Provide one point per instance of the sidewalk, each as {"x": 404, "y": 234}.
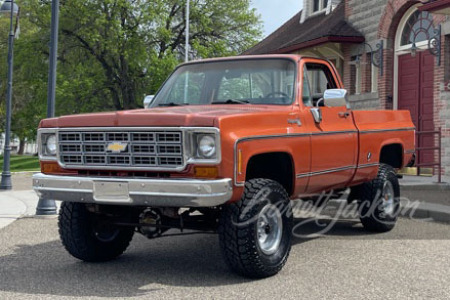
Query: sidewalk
{"x": 434, "y": 198}
{"x": 425, "y": 183}
{"x": 16, "y": 204}
{"x": 19, "y": 202}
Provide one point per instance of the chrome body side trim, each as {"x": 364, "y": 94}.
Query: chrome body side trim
{"x": 236, "y": 183}
{"x": 368, "y": 165}
{"x": 134, "y": 192}
{"x": 281, "y": 136}
{"x": 333, "y": 132}
{"x": 311, "y": 174}
{"x": 387, "y": 130}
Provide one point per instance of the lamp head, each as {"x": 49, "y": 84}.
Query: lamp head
{"x": 413, "y": 50}
{"x": 358, "y": 60}
{"x": 6, "y": 7}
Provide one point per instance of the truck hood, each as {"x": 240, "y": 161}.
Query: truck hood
{"x": 195, "y": 116}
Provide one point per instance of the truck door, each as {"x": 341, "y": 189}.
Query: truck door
{"x": 334, "y": 140}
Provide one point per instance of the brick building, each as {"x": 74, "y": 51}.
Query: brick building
{"x": 391, "y": 54}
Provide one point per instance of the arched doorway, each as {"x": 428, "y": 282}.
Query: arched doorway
{"x": 414, "y": 75}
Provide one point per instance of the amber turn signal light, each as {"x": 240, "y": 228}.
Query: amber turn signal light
{"x": 50, "y": 168}
{"x": 206, "y": 172}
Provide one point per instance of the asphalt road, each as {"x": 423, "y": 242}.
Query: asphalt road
{"x": 413, "y": 261}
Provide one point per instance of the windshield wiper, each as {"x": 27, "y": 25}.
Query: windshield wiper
{"x": 232, "y": 101}
{"x": 173, "y": 104}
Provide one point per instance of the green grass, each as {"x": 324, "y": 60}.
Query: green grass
{"x": 21, "y": 163}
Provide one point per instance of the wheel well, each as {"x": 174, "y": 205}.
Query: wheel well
{"x": 276, "y": 166}
{"x": 392, "y": 155}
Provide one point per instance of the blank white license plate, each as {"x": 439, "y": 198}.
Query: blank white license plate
{"x": 111, "y": 191}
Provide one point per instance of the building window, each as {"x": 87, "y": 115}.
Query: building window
{"x": 358, "y": 80}
{"x": 446, "y": 57}
{"x": 418, "y": 28}
{"x": 316, "y": 5}
{"x": 319, "y": 5}
{"x": 371, "y": 75}
{"x": 355, "y": 77}
{"x": 375, "y": 72}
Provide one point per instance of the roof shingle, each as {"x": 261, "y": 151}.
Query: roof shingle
{"x": 293, "y": 35}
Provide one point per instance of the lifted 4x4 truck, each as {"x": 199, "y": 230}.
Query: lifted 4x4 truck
{"x": 224, "y": 146}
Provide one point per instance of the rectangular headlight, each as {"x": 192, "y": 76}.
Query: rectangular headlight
{"x": 204, "y": 146}
{"x": 47, "y": 144}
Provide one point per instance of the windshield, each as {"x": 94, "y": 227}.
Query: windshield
{"x": 254, "y": 81}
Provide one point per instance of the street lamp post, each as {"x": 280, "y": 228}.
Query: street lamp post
{"x": 53, "y": 59}
{"x": 186, "y": 51}
{"x": 9, "y": 7}
{"x": 186, "y": 55}
{"x": 48, "y": 206}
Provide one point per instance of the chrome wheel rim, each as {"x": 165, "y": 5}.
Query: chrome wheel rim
{"x": 269, "y": 229}
{"x": 388, "y": 198}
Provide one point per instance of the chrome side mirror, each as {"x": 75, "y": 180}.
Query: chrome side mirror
{"x": 148, "y": 100}
{"x": 317, "y": 114}
{"x": 336, "y": 98}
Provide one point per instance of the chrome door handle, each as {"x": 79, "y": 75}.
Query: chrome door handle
{"x": 295, "y": 121}
{"x": 344, "y": 114}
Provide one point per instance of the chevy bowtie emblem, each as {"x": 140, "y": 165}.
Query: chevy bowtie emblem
{"x": 116, "y": 147}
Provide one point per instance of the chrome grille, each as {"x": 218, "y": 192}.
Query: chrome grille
{"x": 70, "y": 148}
{"x": 121, "y": 148}
{"x": 149, "y": 149}
{"x": 143, "y": 136}
{"x": 94, "y": 148}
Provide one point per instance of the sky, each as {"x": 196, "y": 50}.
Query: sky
{"x": 275, "y": 13}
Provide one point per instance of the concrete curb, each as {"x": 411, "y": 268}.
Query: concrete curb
{"x": 426, "y": 211}
{"x": 415, "y": 183}
{"x": 25, "y": 172}
{"x": 425, "y": 187}
{"x": 416, "y": 210}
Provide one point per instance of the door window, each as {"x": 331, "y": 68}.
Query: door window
{"x": 306, "y": 93}
{"x": 320, "y": 79}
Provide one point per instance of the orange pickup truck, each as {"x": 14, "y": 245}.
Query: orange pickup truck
{"x": 224, "y": 146}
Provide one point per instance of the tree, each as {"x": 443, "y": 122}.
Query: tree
{"x": 29, "y": 85}
{"x": 113, "y": 52}
{"x": 136, "y": 44}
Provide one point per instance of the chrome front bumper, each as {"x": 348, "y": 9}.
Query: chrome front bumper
{"x": 134, "y": 192}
